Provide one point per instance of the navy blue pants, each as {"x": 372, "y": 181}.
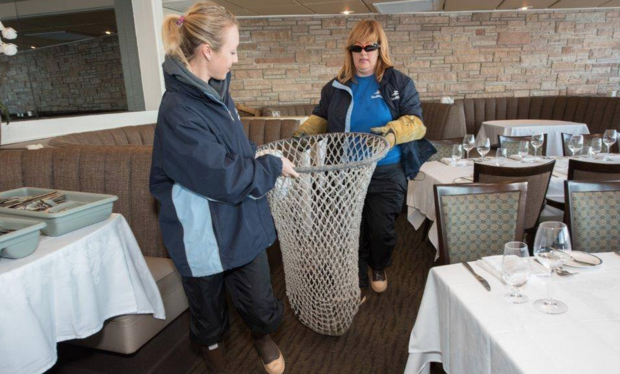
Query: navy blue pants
{"x": 249, "y": 287}
{"x": 384, "y": 202}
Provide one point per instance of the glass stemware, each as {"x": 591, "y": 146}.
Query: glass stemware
{"x": 537, "y": 141}
{"x": 575, "y": 144}
{"x": 552, "y": 248}
{"x": 524, "y": 150}
{"x": 469, "y": 143}
{"x": 484, "y": 146}
{"x": 596, "y": 146}
{"x": 609, "y": 138}
{"x": 516, "y": 270}
{"x": 500, "y": 156}
{"x": 457, "y": 154}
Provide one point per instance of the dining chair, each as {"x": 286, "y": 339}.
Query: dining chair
{"x": 593, "y": 215}
{"x": 511, "y": 143}
{"x": 444, "y": 148}
{"x": 537, "y": 178}
{"x": 587, "y": 140}
{"x": 476, "y": 220}
{"x": 592, "y": 171}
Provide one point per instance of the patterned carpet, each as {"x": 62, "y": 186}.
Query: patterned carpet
{"x": 378, "y": 339}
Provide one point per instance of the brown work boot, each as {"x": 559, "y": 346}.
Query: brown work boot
{"x": 269, "y": 353}
{"x": 378, "y": 280}
{"x": 216, "y": 361}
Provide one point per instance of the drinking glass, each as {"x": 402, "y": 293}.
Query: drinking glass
{"x": 484, "y": 146}
{"x": 552, "y": 248}
{"x": 457, "y": 153}
{"x": 575, "y": 144}
{"x": 537, "y": 141}
{"x": 275, "y": 113}
{"x": 469, "y": 143}
{"x": 500, "y": 156}
{"x": 524, "y": 149}
{"x": 516, "y": 270}
{"x": 609, "y": 138}
{"x": 596, "y": 145}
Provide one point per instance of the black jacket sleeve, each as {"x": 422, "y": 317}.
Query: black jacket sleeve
{"x": 193, "y": 158}
{"x": 322, "y": 108}
{"x": 410, "y": 99}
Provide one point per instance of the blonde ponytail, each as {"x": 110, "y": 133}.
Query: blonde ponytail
{"x": 204, "y": 23}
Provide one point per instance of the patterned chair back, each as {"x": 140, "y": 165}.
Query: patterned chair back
{"x": 444, "y": 148}
{"x": 476, "y": 220}
{"x": 592, "y": 171}
{"x": 593, "y": 215}
{"x": 511, "y": 143}
{"x": 537, "y": 178}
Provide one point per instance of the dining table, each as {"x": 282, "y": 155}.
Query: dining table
{"x": 67, "y": 289}
{"x": 420, "y": 197}
{"x": 527, "y": 127}
{"x": 471, "y": 330}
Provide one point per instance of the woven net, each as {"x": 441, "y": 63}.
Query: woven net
{"x": 318, "y": 217}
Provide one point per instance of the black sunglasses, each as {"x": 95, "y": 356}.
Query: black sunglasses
{"x": 367, "y": 48}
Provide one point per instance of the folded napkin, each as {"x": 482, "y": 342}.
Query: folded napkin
{"x": 448, "y": 161}
{"x": 493, "y": 266}
{"x": 525, "y": 159}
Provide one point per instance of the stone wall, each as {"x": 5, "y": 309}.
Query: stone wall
{"x": 79, "y": 77}
{"x": 288, "y": 60}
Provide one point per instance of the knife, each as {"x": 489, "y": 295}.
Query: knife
{"x": 482, "y": 281}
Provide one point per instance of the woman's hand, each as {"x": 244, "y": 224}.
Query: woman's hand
{"x": 287, "y": 168}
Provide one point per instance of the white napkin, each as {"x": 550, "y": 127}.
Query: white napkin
{"x": 525, "y": 159}
{"x": 448, "y": 161}
{"x": 493, "y": 266}
{"x": 34, "y": 147}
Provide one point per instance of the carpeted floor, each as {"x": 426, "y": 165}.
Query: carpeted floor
{"x": 376, "y": 342}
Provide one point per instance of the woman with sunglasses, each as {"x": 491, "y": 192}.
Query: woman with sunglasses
{"x": 369, "y": 95}
{"x": 214, "y": 217}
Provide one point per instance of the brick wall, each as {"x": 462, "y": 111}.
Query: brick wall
{"x": 288, "y": 60}
{"x": 78, "y": 77}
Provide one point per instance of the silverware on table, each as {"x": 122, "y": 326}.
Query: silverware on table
{"x": 482, "y": 281}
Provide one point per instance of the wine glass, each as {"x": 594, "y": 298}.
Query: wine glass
{"x": 500, "y": 156}
{"x": 596, "y": 145}
{"x": 524, "y": 149}
{"x": 575, "y": 144}
{"x": 552, "y": 248}
{"x": 484, "y": 146}
{"x": 457, "y": 154}
{"x": 469, "y": 143}
{"x": 516, "y": 270}
{"x": 537, "y": 141}
{"x": 609, "y": 138}
{"x": 275, "y": 113}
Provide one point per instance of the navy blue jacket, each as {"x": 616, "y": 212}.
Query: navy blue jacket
{"x": 214, "y": 214}
{"x": 401, "y": 96}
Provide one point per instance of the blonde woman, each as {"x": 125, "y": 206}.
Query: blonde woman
{"x": 214, "y": 216}
{"x": 369, "y": 95}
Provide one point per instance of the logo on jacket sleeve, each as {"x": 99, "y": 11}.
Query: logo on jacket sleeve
{"x": 395, "y": 95}
{"x": 376, "y": 95}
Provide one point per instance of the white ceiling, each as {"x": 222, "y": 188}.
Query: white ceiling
{"x": 301, "y": 7}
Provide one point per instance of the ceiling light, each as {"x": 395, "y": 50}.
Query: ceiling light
{"x": 528, "y": 7}
{"x": 32, "y": 47}
{"x": 346, "y": 12}
{"x": 108, "y": 32}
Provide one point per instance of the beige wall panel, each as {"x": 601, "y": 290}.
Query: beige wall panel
{"x": 612, "y": 3}
{"x": 535, "y": 4}
{"x": 578, "y": 3}
{"x": 337, "y": 8}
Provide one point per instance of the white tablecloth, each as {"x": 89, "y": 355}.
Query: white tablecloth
{"x": 471, "y": 330}
{"x": 67, "y": 288}
{"x": 525, "y": 127}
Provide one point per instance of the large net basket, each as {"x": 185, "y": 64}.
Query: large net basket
{"x": 318, "y": 218}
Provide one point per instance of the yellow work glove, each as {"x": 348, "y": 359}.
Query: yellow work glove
{"x": 403, "y": 130}
{"x": 312, "y": 126}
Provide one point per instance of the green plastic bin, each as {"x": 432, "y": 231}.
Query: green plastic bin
{"x": 21, "y": 242}
{"x": 84, "y": 209}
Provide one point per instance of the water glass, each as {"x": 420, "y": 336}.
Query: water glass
{"x": 469, "y": 143}
{"x": 524, "y": 149}
{"x": 552, "y": 248}
{"x": 484, "y": 146}
{"x": 516, "y": 270}
{"x": 537, "y": 141}
{"x": 596, "y": 145}
{"x": 609, "y": 138}
{"x": 575, "y": 144}
{"x": 457, "y": 154}
{"x": 500, "y": 156}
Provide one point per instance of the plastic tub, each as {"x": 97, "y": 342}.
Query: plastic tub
{"x": 83, "y": 209}
{"x": 21, "y": 242}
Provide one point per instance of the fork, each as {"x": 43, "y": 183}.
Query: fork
{"x": 564, "y": 273}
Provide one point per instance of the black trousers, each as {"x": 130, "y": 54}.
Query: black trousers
{"x": 249, "y": 287}
{"x": 384, "y": 202}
